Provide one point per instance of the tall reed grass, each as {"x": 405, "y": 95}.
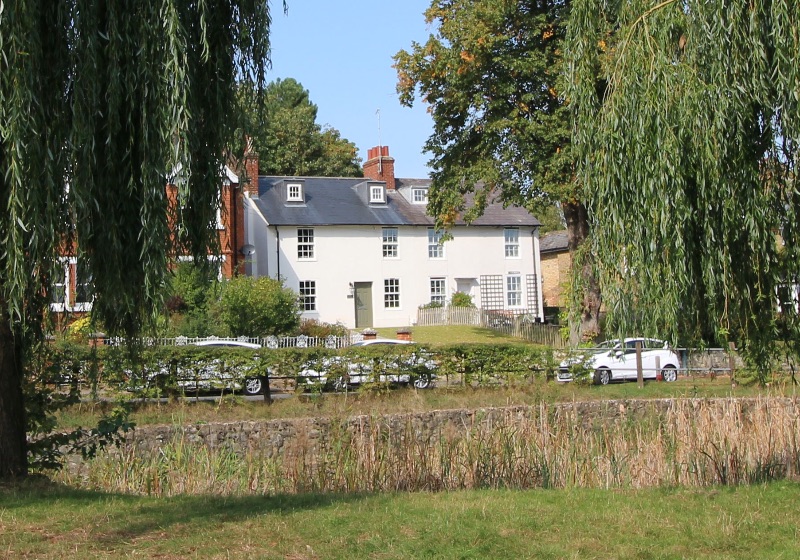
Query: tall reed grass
{"x": 690, "y": 443}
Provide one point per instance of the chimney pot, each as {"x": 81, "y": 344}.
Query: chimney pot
{"x": 380, "y": 166}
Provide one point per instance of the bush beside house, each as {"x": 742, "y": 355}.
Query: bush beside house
{"x": 258, "y": 306}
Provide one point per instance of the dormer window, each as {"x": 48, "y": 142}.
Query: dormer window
{"x": 419, "y": 196}
{"x": 294, "y": 192}
{"x": 377, "y": 194}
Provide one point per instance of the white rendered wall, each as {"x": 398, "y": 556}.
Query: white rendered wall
{"x": 345, "y": 255}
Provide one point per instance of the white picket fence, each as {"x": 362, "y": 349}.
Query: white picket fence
{"x": 301, "y": 341}
{"x": 448, "y": 316}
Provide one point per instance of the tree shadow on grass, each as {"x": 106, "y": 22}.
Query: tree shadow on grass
{"x": 128, "y": 517}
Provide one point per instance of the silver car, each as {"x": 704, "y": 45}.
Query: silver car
{"x": 253, "y": 385}
{"x": 208, "y": 376}
{"x": 339, "y": 372}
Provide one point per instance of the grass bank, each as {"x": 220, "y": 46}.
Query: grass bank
{"x": 372, "y": 402}
{"x": 46, "y": 521}
{"x": 690, "y": 443}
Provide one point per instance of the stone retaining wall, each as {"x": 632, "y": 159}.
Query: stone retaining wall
{"x": 273, "y": 438}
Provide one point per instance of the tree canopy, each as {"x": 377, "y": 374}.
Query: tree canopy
{"x": 286, "y": 135}
{"x": 492, "y": 76}
{"x": 102, "y": 103}
{"x": 687, "y": 128}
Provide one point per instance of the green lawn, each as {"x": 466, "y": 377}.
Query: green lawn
{"x": 453, "y": 334}
{"x": 43, "y": 521}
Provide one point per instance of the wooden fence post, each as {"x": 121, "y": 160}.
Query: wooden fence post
{"x": 732, "y": 362}
{"x": 639, "y": 374}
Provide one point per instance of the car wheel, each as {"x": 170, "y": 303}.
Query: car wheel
{"x": 602, "y": 376}
{"x": 253, "y": 386}
{"x": 669, "y": 373}
{"x": 423, "y": 382}
{"x": 340, "y": 384}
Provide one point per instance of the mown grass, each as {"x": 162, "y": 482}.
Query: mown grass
{"x": 452, "y": 334}
{"x": 46, "y": 521}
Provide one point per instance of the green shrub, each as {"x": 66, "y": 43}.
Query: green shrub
{"x": 191, "y": 301}
{"x": 477, "y": 364}
{"x": 495, "y": 364}
{"x": 460, "y": 299}
{"x": 314, "y": 328}
{"x": 258, "y": 307}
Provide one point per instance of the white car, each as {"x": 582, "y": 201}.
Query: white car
{"x": 614, "y": 360}
{"x": 356, "y": 373}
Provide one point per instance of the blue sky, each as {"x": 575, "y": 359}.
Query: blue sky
{"x": 341, "y": 52}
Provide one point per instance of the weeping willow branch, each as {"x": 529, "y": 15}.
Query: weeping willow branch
{"x": 632, "y": 28}
{"x": 690, "y": 165}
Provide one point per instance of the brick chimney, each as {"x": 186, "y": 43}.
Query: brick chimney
{"x": 250, "y": 180}
{"x": 379, "y": 166}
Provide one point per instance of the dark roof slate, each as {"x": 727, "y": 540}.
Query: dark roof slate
{"x": 337, "y": 201}
{"x": 553, "y": 242}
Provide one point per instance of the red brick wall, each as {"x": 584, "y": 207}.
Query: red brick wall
{"x": 231, "y": 235}
{"x": 380, "y": 166}
{"x": 250, "y": 179}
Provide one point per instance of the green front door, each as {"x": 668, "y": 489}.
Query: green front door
{"x": 363, "y": 304}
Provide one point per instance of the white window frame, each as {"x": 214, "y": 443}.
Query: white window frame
{"x": 419, "y": 195}
{"x": 438, "y": 289}
{"x": 294, "y": 192}
{"x": 62, "y": 305}
{"x": 307, "y": 290}
{"x": 391, "y": 293}
{"x": 377, "y": 194}
{"x": 220, "y": 223}
{"x": 514, "y": 290}
{"x": 305, "y": 244}
{"x": 511, "y": 238}
{"x": 389, "y": 238}
{"x": 81, "y": 305}
{"x": 435, "y": 245}
{"x": 790, "y": 291}
{"x": 69, "y": 265}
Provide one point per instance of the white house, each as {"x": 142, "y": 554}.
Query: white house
{"x": 363, "y": 251}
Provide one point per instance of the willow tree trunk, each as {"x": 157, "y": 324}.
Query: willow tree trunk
{"x": 13, "y": 442}
{"x": 588, "y": 297}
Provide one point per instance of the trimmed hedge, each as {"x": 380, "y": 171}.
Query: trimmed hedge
{"x": 174, "y": 369}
